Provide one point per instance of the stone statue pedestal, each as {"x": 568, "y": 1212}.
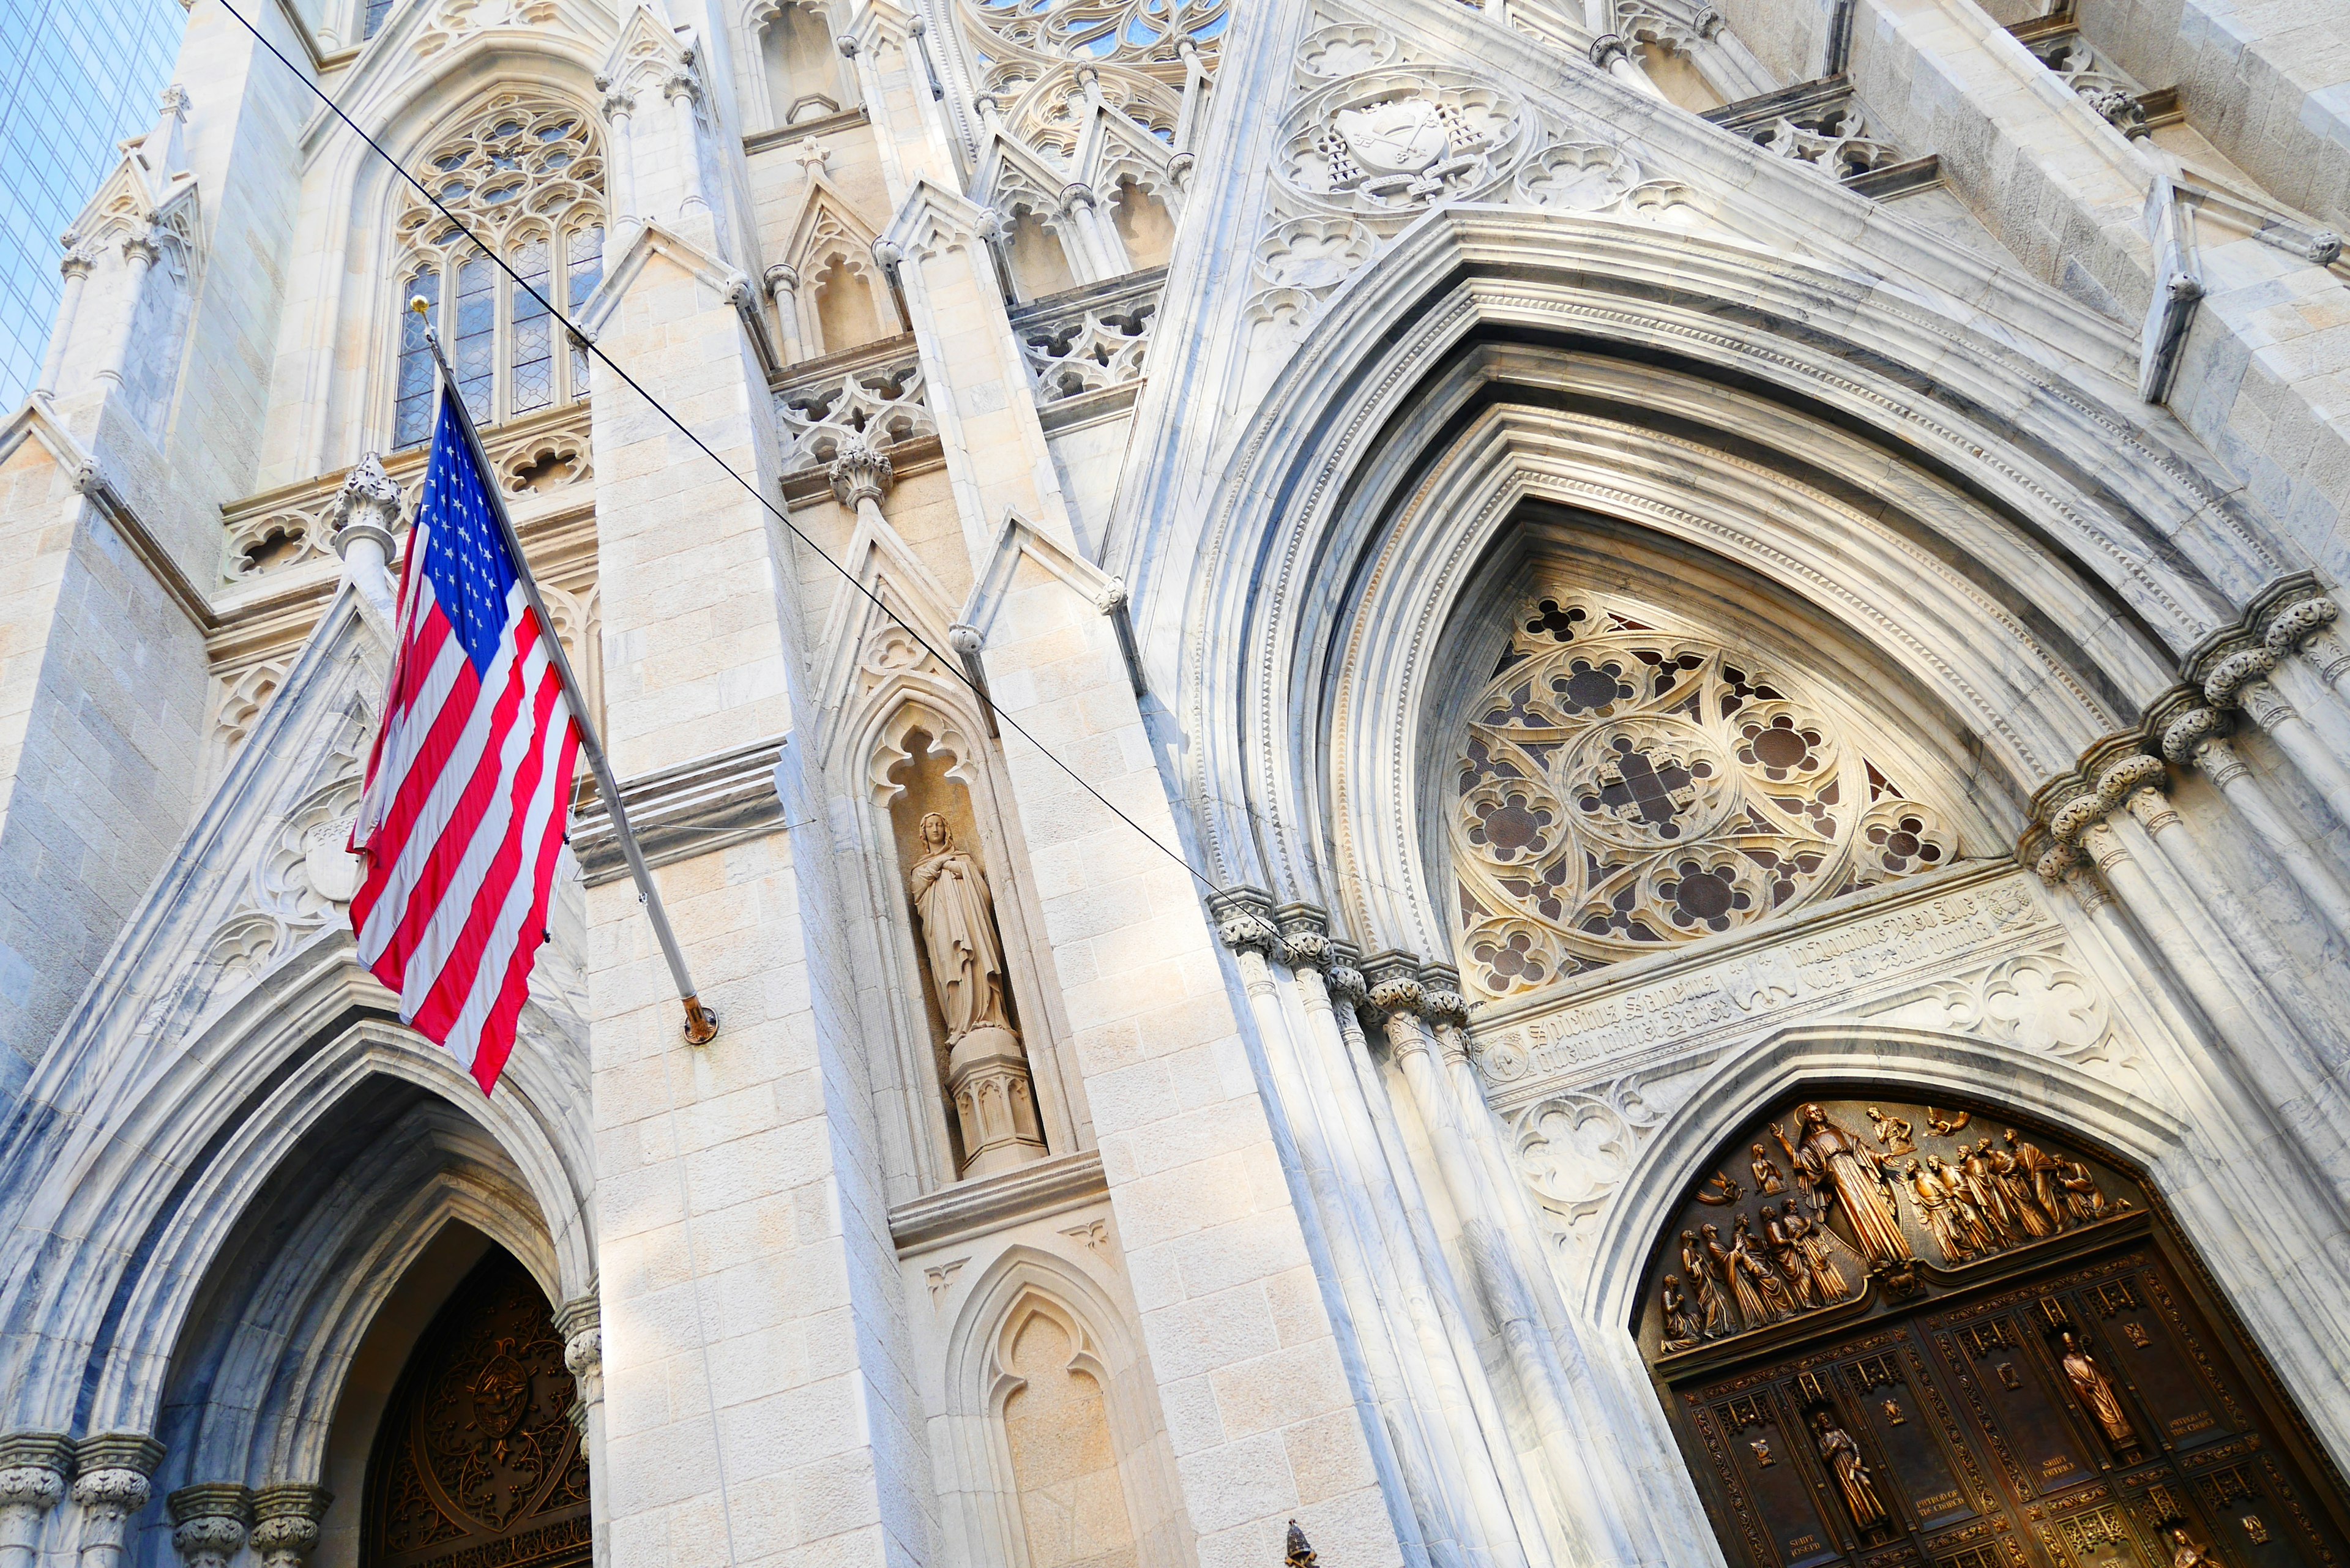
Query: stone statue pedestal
{"x": 987, "y": 1074}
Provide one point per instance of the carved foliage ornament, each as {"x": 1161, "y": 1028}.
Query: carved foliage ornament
{"x": 1626, "y": 787}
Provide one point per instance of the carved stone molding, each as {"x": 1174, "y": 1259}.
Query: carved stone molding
{"x": 677, "y": 812}
{"x": 860, "y": 472}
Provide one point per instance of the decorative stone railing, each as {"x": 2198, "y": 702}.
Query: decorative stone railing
{"x": 540, "y": 455}
{"x": 871, "y": 395}
{"x": 1088, "y": 343}
{"x": 1820, "y": 124}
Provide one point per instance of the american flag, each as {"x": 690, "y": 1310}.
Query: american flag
{"x": 461, "y": 821}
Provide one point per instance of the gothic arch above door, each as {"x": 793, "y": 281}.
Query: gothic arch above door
{"x": 477, "y": 1464}
{"x": 1894, "y": 1333}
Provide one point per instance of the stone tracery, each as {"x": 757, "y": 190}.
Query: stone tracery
{"x": 1625, "y": 787}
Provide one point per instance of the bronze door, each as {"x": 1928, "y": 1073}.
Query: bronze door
{"x": 477, "y": 1464}
{"x": 2062, "y": 1399}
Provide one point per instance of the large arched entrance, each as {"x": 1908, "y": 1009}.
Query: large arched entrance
{"x": 478, "y": 1461}
{"x": 1894, "y": 1333}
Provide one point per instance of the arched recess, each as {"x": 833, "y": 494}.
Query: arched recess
{"x": 1990, "y": 517}
{"x": 2016, "y": 1341}
{"x": 796, "y": 70}
{"x": 914, "y": 724}
{"x": 243, "y": 1210}
{"x": 991, "y": 1486}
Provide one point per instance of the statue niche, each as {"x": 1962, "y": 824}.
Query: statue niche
{"x": 967, "y": 989}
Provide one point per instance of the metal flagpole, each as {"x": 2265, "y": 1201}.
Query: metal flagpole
{"x": 700, "y": 1022}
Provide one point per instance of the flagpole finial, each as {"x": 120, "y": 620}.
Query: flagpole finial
{"x": 420, "y": 304}
{"x": 700, "y": 1022}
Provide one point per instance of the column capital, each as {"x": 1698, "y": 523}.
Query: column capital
{"x": 367, "y": 507}
{"x": 2126, "y": 778}
{"x": 862, "y": 472}
{"x": 2152, "y": 808}
{"x": 2226, "y": 679}
{"x": 1244, "y": 920}
{"x": 2075, "y": 816}
{"x": 781, "y": 279}
{"x": 1607, "y": 48}
{"x": 33, "y": 1471}
{"x": 208, "y": 1523}
{"x": 680, "y": 84}
{"x": 141, "y": 247}
{"x": 80, "y": 257}
{"x": 285, "y": 1523}
{"x": 2185, "y": 735}
{"x": 2088, "y": 888}
{"x": 2291, "y": 622}
{"x": 1304, "y": 936}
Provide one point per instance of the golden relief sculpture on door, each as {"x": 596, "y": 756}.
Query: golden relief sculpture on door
{"x": 1627, "y": 786}
{"x": 477, "y": 1464}
{"x": 1939, "y": 1336}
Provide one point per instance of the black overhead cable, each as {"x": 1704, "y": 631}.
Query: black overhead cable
{"x": 782, "y": 515}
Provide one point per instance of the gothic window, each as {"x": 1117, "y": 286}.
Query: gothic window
{"x": 1889, "y": 1330}
{"x": 1626, "y": 786}
{"x": 377, "y": 11}
{"x": 477, "y": 1461}
{"x": 526, "y": 177}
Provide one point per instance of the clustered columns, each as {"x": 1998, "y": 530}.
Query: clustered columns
{"x": 106, "y": 1481}
{"x": 684, "y": 95}
{"x": 2121, "y": 847}
{"x": 140, "y": 254}
{"x": 1414, "y": 1324}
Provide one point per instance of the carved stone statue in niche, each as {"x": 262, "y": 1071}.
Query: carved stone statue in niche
{"x": 987, "y": 1069}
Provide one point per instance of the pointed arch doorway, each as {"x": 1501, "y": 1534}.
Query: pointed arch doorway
{"x": 477, "y": 1463}
{"x": 1891, "y": 1333}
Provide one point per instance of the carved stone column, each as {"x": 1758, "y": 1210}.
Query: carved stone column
{"x": 782, "y": 287}
{"x": 684, "y": 94}
{"x": 140, "y": 254}
{"x": 33, "y": 1469}
{"x": 1098, "y": 254}
{"x": 80, "y": 257}
{"x": 580, "y": 1322}
{"x": 2132, "y": 782}
{"x": 2193, "y": 740}
{"x": 285, "y": 1523}
{"x": 2243, "y": 680}
{"x": 1467, "y": 1444}
{"x": 110, "y": 1488}
{"x": 619, "y": 113}
{"x": 209, "y": 1524}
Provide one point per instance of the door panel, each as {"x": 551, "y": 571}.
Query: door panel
{"x": 2036, "y": 1386}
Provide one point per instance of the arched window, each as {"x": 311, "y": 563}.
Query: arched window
{"x": 525, "y": 176}
{"x": 377, "y": 10}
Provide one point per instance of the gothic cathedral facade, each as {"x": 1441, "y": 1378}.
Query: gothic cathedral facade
{"x": 1467, "y": 784}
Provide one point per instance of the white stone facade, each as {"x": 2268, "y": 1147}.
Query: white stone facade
{"x": 1905, "y": 437}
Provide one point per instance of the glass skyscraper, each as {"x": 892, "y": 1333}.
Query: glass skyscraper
{"x": 76, "y": 77}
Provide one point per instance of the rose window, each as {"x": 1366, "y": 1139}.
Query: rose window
{"x": 1624, "y": 789}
